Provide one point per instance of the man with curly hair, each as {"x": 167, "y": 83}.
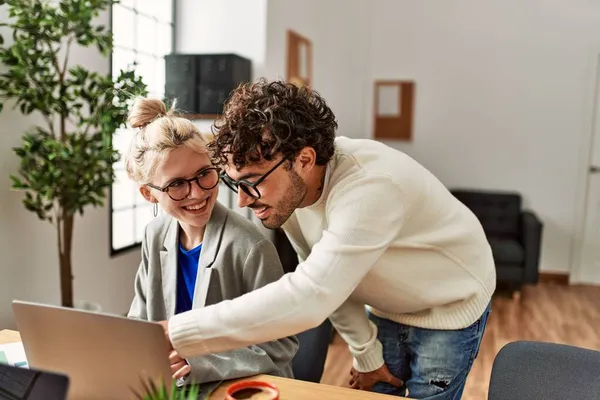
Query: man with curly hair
{"x": 400, "y": 267}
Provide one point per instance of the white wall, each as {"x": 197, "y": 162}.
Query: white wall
{"x": 503, "y": 97}
{"x": 28, "y": 250}
{"x": 223, "y": 26}
{"x": 339, "y": 32}
{"x": 257, "y": 29}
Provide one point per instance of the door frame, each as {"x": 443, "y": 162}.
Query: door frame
{"x": 591, "y": 115}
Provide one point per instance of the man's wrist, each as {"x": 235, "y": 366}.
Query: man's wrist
{"x": 370, "y": 360}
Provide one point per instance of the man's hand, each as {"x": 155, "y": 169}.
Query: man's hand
{"x": 179, "y": 367}
{"x": 366, "y": 380}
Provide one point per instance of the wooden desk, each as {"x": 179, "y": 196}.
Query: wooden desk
{"x": 289, "y": 389}
{"x": 7, "y": 336}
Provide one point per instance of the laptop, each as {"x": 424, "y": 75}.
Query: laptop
{"x": 104, "y": 356}
{"x": 20, "y": 383}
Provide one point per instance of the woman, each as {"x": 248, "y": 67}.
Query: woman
{"x": 198, "y": 253}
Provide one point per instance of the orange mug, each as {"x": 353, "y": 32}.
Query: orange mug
{"x": 252, "y": 390}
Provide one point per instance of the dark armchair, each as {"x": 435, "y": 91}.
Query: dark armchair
{"x": 514, "y": 234}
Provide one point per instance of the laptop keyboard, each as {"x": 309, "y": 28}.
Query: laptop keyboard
{"x": 15, "y": 383}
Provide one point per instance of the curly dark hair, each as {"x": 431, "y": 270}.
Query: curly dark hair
{"x": 263, "y": 119}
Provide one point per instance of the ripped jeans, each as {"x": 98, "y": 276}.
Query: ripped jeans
{"x": 433, "y": 364}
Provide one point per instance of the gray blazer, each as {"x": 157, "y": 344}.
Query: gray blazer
{"x": 235, "y": 259}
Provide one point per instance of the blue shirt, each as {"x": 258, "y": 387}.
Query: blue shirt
{"x": 186, "y": 277}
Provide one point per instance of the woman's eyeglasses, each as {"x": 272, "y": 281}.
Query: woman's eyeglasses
{"x": 250, "y": 188}
{"x": 180, "y": 189}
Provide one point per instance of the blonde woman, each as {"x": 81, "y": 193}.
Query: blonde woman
{"x": 198, "y": 253}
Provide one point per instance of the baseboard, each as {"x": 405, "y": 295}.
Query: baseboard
{"x": 554, "y": 277}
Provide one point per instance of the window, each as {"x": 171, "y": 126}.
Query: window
{"x": 143, "y": 32}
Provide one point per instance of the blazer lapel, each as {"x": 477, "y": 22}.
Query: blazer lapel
{"x": 168, "y": 262}
{"x": 210, "y": 248}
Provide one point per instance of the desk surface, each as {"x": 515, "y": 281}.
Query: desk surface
{"x": 289, "y": 389}
{"x": 7, "y": 336}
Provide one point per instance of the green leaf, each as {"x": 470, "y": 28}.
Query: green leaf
{"x": 154, "y": 392}
{"x": 17, "y": 183}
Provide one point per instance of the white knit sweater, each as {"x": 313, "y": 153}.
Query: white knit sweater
{"x": 385, "y": 234}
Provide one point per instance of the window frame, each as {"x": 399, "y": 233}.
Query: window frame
{"x": 136, "y": 245}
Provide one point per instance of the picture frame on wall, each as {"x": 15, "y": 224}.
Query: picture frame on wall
{"x": 299, "y": 59}
{"x": 393, "y": 109}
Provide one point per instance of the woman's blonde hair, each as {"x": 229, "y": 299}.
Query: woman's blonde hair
{"x": 159, "y": 132}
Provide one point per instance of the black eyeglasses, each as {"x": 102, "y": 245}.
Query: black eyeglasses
{"x": 250, "y": 188}
{"x": 180, "y": 189}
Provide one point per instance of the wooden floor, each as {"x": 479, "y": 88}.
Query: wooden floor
{"x": 547, "y": 312}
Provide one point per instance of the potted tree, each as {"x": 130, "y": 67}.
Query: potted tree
{"x": 66, "y": 164}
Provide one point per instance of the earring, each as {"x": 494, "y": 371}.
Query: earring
{"x": 155, "y": 209}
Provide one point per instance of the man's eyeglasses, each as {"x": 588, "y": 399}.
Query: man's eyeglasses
{"x": 250, "y": 188}
{"x": 180, "y": 189}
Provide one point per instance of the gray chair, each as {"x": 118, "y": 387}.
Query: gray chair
{"x": 545, "y": 371}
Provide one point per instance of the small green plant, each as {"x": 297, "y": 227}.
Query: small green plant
{"x": 65, "y": 165}
{"x": 154, "y": 392}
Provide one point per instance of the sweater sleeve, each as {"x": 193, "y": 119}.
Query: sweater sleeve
{"x": 271, "y": 358}
{"x": 357, "y": 235}
{"x": 352, "y": 323}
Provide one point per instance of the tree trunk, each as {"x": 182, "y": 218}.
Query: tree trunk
{"x": 65, "y": 225}
{"x": 65, "y": 242}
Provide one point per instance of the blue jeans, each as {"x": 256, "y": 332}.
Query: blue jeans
{"x": 433, "y": 364}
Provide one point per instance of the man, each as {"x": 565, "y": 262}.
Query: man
{"x": 372, "y": 228}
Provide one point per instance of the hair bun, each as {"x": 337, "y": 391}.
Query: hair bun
{"x": 144, "y": 111}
